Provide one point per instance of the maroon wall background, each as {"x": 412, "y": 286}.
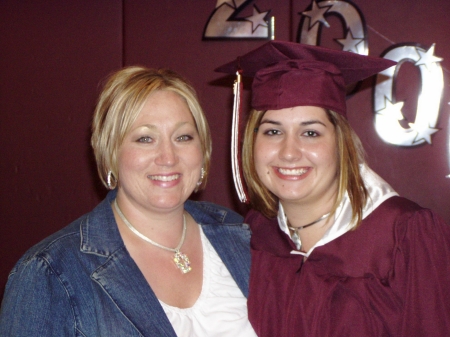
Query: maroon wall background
{"x": 54, "y": 54}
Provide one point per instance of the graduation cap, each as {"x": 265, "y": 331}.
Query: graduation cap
{"x": 288, "y": 74}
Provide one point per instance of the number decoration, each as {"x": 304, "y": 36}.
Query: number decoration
{"x": 228, "y": 22}
{"x": 225, "y": 22}
{"x": 314, "y": 19}
{"x": 388, "y": 112}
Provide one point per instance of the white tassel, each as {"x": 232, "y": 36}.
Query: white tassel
{"x": 238, "y": 183}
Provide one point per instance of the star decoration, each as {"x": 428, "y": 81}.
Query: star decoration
{"x": 423, "y": 132}
{"x": 350, "y": 43}
{"x": 257, "y": 19}
{"x": 393, "y": 111}
{"x": 427, "y": 58}
{"x": 317, "y": 14}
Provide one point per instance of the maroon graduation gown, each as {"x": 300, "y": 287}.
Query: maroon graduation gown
{"x": 389, "y": 277}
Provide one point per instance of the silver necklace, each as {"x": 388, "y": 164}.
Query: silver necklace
{"x": 181, "y": 260}
{"x": 296, "y": 229}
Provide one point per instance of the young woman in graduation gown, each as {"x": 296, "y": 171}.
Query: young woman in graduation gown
{"x": 335, "y": 250}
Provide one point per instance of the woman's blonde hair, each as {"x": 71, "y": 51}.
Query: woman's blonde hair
{"x": 351, "y": 155}
{"x": 121, "y": 101}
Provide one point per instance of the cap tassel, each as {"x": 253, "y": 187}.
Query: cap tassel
{"x": 235, "y": 140}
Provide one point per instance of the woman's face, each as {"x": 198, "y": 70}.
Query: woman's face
{"x": 296, "y": 155}
{"x": 160, "y": 158}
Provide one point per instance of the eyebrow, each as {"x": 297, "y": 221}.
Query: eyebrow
{"x": 305, "y": 123}
{"x": 154, "y": 127}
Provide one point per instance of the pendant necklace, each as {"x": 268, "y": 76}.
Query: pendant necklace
{"x": 181, "y": 260}
{"x": 296, "y": 229}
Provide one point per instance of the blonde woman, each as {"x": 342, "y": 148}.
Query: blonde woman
{"x": 146, "y": 261}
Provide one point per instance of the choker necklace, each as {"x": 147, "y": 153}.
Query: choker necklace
{"x": 296, "y": 229}
{"x": 181, "y": 260}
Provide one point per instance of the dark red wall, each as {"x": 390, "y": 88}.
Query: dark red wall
{"x": 53, "y": 55}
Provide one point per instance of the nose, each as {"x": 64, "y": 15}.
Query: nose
{"x": 166, "y": 153}
{"x": 290, "y": 149}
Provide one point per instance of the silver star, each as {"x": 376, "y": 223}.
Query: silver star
{"x": 257, "y": 19}
{"x": 427, "y": 58}
{"x": 423, "y": 132}
{"x": 350, "y": 43}
{"x": 393, "y": 111}
{"x": 316, "y": 14}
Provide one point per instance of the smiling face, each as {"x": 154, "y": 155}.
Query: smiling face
{"x": 295, "y": 155}
{"x": 160, "y": 159}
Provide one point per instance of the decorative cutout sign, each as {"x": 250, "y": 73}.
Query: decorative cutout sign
{"x": 388, "y": 114}
{"x": 355, "y": 28}
{"x": 225, "y": 22}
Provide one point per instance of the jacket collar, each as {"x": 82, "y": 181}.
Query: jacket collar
{"x": 131, "y": 295}
{"x": 99, "y": 233}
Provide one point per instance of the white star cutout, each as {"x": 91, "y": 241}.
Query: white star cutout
{"x": 316, "y": 14}
{"x": 427, "y": 58}
{"x": 393, "y": 111}
{"x": 423, "y": 132}
{"x": 350, "y": 43}
{"x": 257, "y": 19}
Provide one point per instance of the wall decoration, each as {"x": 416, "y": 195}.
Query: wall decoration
{"x": 226, "y": 22}
{"x": 387, "y": 109}
{"x": 314, "y": 19}
{"x": 388, "y": 114}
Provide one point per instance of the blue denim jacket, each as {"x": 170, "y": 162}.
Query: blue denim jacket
{"x": 81, "y": 281}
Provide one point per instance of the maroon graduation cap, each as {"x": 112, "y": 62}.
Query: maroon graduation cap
{"x": 288, "y": 74}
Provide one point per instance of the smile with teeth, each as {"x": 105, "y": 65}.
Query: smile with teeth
{"x": 164, "y": 178}
{"x": 292, "y": 172}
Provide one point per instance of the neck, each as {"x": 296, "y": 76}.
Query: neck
{"x": 302, "y": 216}
{"x": 165, "y": 228}
{"x": 309, "y": 209}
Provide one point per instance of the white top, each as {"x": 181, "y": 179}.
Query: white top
{"x": 379, "y": 191}
{"x": 220, "y": 310}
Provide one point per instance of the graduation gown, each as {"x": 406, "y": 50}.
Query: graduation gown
{"x": 388, "y": 277}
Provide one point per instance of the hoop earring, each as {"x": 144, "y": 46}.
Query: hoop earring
{"x": 110, "y": 180}
{"x": 200, "y": 181}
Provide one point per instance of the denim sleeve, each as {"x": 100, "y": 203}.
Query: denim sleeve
{"x": 36, "y": 303}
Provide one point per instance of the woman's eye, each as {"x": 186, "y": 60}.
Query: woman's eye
{"x": 311, "y": 133}
{"x": 184, "y": 138}
{"x": 271, "y": 132}
{"x": 144, "y": 139}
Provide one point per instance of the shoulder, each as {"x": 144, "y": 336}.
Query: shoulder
{"x": 40, "y": 280}
{"x": 69, "y": 239}
{"x": 257, "y": 220}
{"x": 400, "y": 210}
{"x": 408, "y": 222}
{"x": 398, "y": 206}
{"x": 63, "y": 242}
{"x": 205, "y": 212}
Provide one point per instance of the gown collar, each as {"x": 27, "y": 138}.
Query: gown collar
{"x": 379, "y": 191}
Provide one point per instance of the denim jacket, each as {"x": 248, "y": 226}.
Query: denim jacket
{"x": 81, "y": 281}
